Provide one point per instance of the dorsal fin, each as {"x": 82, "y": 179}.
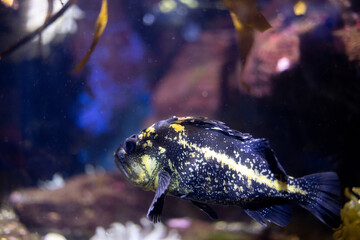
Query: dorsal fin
{"x": 210, "y": 124}
{"x": 259, "y": 146}
{"x": 262, "y": 147}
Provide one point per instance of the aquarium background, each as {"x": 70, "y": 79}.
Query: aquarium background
{"x": 299, "y": 88}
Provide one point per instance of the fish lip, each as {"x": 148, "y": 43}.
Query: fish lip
{"x": 120, "y": 163}
{"x": 121, "y": 167}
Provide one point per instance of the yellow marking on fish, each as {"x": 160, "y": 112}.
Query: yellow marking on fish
{"x": 143, "y": 135}
{"x": 150, "y": 129}
{"x": 207, "y": 156}
{"x": 249, "y": 183}
{"x": 140, "y": 176}
{"x": 156, "y": 182}
{"x": 174, "y": 185}
{"x": 177, "y": 127}
{"x": 149, "y": 164}
{"x": 196, "y": 167}
{"x": 237, "y": 187}
{"x": 161, "y": 150}
{"x": 148, "y": 143}
{"x": 176, "y": 179}
{"x": 146, "y": 132}
{"x": 182, "y": 119}
{"x": 251, "y": 175}
{"x": 171, "y": 165}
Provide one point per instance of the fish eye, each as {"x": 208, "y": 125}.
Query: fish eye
{"x": 130, "y": 144}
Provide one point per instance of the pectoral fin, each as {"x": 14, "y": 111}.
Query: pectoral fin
{"x": 263, "y": 149}
{"x": 154, "y": 213}
{"x": 206, "y": 208}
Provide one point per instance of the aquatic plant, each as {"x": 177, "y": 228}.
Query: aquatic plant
{"x": 64, "y": 24}
{"x": 132, "y": 231}
{"x": 350, "y": 217}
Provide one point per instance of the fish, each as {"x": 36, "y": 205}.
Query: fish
{"x": 205, "y": 162}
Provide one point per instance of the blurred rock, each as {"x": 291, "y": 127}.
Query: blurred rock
{"x": 281, "y": 48}
{"x": 86, "y": 201}
{"x": 274, "y": 51}
{"x": 200, "y": 79}
{"x": 350, "y": 35}
{"x": 196, "y": 77}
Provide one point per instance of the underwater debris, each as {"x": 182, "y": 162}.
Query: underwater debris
{"x": 53, "y": 236}
{"x": 249, "y": 228}
{"x": 56, "y": 183}
{"x": 181, "y": 223}
{"x": 350, "y": 217}
{"x": 132, "y": 231}
{"x": 92, "y": 170}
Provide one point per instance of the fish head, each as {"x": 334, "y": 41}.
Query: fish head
{"x": 135, "y": 163}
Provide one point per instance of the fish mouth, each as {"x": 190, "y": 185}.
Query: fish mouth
{"x": 120, "y": 162}
{"x": 121, "y": 167}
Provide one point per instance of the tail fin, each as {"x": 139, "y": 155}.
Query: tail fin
{"x": 323, "y": 197}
